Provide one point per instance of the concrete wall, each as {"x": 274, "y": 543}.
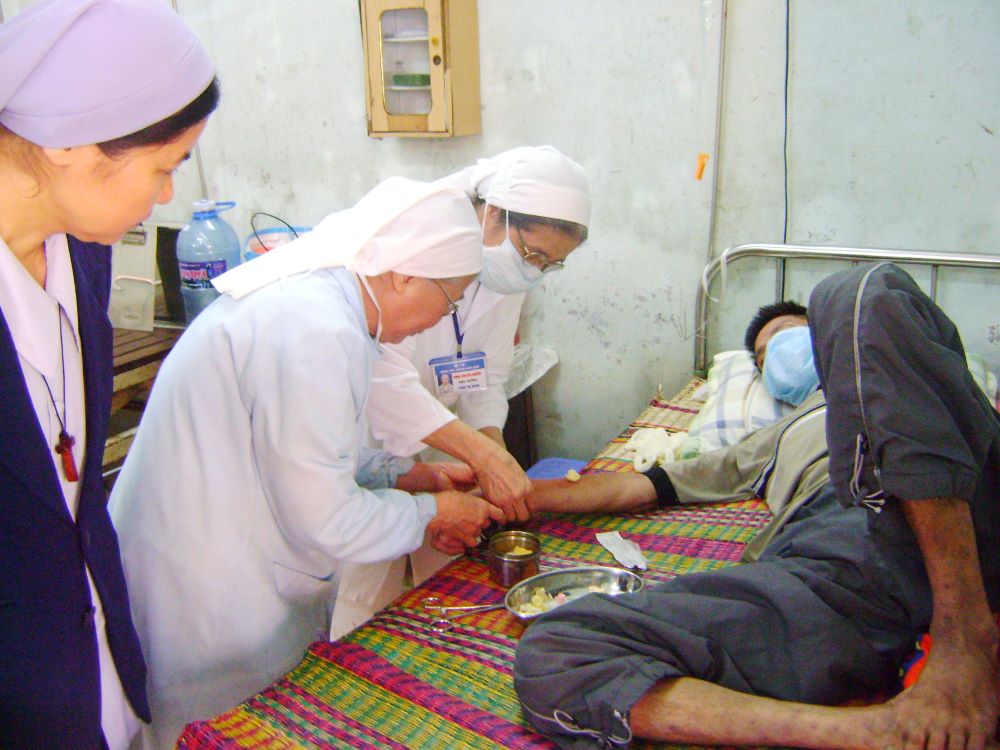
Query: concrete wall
{"x": 893, "y": 114}
{"x": 627, "y": 88}
{"x": 893, "y": 124}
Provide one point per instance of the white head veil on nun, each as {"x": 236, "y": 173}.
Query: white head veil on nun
{"x": 532, "y": 180}
{"x": 414, "y": 228}
{"x": 77, "y": 72}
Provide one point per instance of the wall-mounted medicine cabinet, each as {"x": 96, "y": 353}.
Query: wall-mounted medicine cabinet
{"x": 422, "y": 63}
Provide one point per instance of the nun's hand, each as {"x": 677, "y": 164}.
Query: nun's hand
{"x": 434, "y": 476}
{"x": 447, "y": 545}
{"x": 460, "y": 521}
{"x": 505, "y": 484}
{"x": 502, "y": 481}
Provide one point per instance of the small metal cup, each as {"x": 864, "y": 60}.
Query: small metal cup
{"x": 506, "y": 568}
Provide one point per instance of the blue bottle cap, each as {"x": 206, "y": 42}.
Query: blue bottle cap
{"x": 203, "y": 209}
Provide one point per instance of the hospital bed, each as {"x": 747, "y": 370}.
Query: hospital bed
{"x": 399, "y": 681}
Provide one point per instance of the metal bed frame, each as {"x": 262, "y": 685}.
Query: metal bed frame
{"x": 783, "y": 253}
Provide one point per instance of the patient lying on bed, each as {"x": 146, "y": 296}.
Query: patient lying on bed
{"x": 754, "y": 467}
{"x": 890, "y": 532}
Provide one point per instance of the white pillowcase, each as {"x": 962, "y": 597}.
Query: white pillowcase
{"x": 736, "y": 404}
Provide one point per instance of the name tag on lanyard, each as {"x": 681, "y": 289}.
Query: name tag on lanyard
{"x": 455, "y": 374}
{"x": 459, "y": 373}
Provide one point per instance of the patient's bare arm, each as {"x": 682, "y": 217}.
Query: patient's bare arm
{"x": 593, "y": 493}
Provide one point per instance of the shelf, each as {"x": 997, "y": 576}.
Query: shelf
{"x": 407, "y": 88}
{"x": 405, "y": 39}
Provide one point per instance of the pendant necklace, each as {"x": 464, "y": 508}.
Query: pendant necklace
{"x": 66, "y": 441}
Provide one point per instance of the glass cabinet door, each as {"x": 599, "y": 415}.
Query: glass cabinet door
{"x": 408, "y": 86}
{"x": 406, "y": 61}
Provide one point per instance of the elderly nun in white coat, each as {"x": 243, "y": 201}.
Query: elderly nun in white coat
{"x": 248, "y": 486}
{"x": 533, "y": 203}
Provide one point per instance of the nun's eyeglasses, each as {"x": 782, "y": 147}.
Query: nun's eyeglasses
{"x": 452, "y": 305}
{"x": 536, "y": 258}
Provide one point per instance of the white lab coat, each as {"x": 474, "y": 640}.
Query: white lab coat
{"x": 403, "y": 411}
{"x": 240, "y": 498}
{"x": 402, "y": 407}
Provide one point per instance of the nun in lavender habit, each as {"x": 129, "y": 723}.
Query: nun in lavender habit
{"x": 100, "y": 101}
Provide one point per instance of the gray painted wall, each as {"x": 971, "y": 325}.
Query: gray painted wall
{"x": 893, "y": 127}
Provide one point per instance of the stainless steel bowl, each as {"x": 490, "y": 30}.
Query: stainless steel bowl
{"x": 561, "y": 586}
{"x": 507, "y": 567}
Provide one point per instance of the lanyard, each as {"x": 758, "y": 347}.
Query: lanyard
{"x": 458, "y": 334}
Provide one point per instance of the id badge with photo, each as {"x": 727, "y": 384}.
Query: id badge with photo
{"x": 454, "y": 374}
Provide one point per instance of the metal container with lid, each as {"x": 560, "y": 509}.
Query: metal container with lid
{"x": 512, "y": 556}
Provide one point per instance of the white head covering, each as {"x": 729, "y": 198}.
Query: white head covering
{"x": 533, "y": 180}
{"x": 76, "y": 72}
{"x": 414, "y": 228}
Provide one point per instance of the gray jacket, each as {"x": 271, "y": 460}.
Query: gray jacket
{"x": 786, "y": 463}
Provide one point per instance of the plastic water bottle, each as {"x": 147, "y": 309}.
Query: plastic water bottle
{"x": 206, "y": 247}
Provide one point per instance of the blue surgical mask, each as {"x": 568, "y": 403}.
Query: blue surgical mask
{"x": 789, "y": 369}
{"x": 505, "y": 272}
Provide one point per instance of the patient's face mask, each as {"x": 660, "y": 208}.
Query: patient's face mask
{"x": 504, "y": 270}
{"x": 789, "y": 369}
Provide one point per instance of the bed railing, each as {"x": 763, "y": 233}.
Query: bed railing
{"x": 784, "y": 253}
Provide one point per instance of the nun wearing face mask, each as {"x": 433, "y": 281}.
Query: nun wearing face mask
{"x": 533, "y": 205}
{"x": 248, "y": 485}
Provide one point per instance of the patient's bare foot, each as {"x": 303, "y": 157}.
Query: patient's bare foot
{"x": 923, "y": 717}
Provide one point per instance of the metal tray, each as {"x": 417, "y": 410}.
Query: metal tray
{"x": 572, "y": 583}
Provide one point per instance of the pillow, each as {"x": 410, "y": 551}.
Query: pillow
{"x": 737, "y": 404}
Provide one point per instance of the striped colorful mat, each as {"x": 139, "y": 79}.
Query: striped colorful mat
{"x": 397, "y": 682}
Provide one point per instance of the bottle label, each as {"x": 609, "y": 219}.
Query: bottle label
{"x": 199, "y": 275}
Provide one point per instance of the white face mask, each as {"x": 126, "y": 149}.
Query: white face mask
{"x": 504, "y": 271}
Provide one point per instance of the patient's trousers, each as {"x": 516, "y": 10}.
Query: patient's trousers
{"x": 838, "y": 597}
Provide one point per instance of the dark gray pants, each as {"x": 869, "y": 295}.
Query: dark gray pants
{"x": 841, "y": 593}
{"x": 810, "y": 622}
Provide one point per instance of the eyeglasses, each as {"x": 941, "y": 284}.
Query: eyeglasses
{"x": 535, "y": 258}
{"x": 452, "y": 305}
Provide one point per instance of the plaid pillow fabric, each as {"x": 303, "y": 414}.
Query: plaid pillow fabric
{"x": 737, "y": 404}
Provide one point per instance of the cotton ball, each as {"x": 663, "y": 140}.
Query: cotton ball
{"x": 652, "y": 445}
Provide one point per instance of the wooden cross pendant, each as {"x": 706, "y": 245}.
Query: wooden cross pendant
{"x": 65, "y": 449}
